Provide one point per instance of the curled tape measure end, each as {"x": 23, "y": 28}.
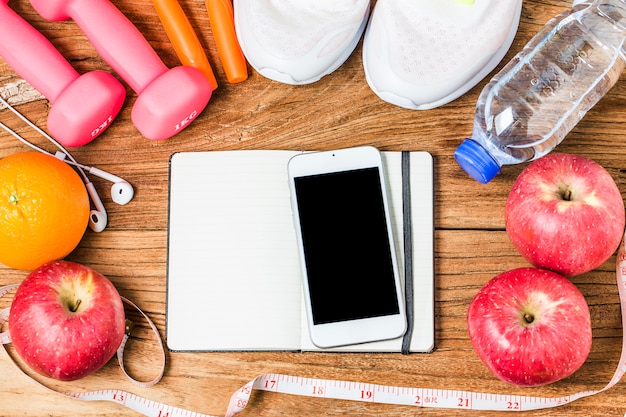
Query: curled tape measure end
{"x": 120, "y": 351}
{"x": 5, "y": 337}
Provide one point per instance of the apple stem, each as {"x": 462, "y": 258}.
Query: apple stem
{"x": 74, "y": 307}
{"x": 529, "y": 318}
{"x": 566, "y": 194}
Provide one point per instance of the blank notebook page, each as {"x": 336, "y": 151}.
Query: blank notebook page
{"x": 231, "y": 246}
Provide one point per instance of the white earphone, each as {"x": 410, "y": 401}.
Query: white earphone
{"x": 121, "y": 191}
{"x": 98, "y": 218}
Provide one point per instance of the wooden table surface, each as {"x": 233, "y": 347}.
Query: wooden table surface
{"x": 471, "y": 245}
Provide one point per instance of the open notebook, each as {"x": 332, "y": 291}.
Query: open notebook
{"x": 233, "y": 278}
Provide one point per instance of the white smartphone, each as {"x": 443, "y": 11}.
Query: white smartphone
{"x": 350, "y": 274}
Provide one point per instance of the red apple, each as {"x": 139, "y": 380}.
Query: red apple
{"x": 565, "y": 213}
{"x": 66, "y": 320}
{"x": 530, "y": 326}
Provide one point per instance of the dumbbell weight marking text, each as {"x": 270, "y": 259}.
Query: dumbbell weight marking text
{"x": 187, "y": 120}
{"x": 102, "y": 126}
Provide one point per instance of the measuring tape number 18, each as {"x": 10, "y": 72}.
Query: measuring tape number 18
{"x": 344, "y": 390}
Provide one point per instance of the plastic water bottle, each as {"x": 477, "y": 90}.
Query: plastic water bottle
{"x": 537, "y": 98}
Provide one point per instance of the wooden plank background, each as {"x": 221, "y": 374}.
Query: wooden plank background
{"x": 471, "y": 245}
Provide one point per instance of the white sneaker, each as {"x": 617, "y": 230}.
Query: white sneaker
{"x": 299, "y": 41}
{"x": 421, "y": 54}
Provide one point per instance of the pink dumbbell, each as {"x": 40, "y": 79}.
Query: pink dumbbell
{"x": 167, "y": 99}
{"x": 83, "y": 106}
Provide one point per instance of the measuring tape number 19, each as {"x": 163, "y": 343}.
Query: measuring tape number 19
{"x": 345, "y": 390}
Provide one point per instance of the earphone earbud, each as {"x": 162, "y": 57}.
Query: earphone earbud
{"x": 97, "y": 218}
{"x": 167, "y": 99}
{"x": 83, "y": 105}
{"x": 121, "y": 191}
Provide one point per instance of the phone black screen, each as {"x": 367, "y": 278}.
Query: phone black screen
{"x": 346, "y": 246}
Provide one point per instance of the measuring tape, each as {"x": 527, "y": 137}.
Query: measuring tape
{"x": 344, "y": 390}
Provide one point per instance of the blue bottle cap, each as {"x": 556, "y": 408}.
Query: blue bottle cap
{"x": 476, "y": 161}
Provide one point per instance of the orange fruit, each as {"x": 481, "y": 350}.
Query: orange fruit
{"x": 44, "y": 210}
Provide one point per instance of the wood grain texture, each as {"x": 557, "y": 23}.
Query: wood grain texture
{"x": 340, "y": 110}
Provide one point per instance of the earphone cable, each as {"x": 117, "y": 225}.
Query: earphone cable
{"x": 71, "y": 160}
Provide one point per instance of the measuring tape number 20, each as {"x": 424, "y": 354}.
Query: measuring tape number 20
{"x": 344, "y": 390}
